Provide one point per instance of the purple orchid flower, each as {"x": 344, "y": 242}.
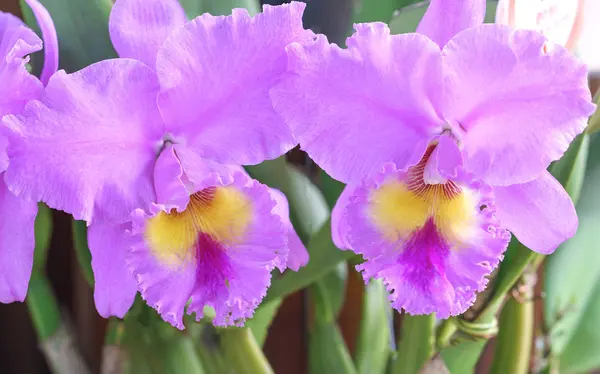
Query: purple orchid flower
{"x": 162, "y": 132}
{"x": 443, "y": 138}
{"x": 17, "y": 41}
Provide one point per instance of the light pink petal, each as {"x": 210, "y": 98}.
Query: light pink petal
{"x": 540, "y": 213}
{"x": 88, "y": 147}
{"x": 355, "y": 109}
{"x": 516, "y": 106}
{"x": 139, "y": 27}
{"x": 50, "y": 39}
{"x": 215, "y": 75}
{"x": 339, "y": 220}
{"x": 444, "y": 162}
{"x": 165, "y": 289}
{"x": 446, "y": 18}
{"x": 17, "y": 217}
{"x": 168, "y": 184}
{"x": 18, "y": 86}
{"x": 114, "y": 285}
{"x": 298, "y": 255}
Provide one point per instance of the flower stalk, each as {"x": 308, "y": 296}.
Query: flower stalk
{"x": 243, "y": 352}
{"x": 513, "y": 344}
{"x": 415, "y": 345}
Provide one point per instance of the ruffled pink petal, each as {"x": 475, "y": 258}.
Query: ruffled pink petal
{"x": 427, "y": 272}
{"x": 232, "y": 279}
{"x": 88, "y": 147}
{"x": 165, "y": 289}
{"x": 517, "y": 106}
{"x": 373, "y": 103}
{"x": 215, "y": 75}
{"x": 17, "y": 218}
{"x": 540, "y": 213}
{"x": 446, "y": 18}
{"x": 139, "y": 27}
{"x": 339, "y": 223}
{"x": 114, "y": 285}
{"x": 298, "y": 255}
{"x": 18, "y": 86}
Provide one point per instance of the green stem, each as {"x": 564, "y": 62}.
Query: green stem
{"x": 513, "y": 344}
{"x": 445, "y": 333}
{"x": 416, "y": 344}
{"x": 243, "y": 352}
{"x": 208, "y": 348}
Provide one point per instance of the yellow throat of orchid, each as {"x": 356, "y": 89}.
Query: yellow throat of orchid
{"x": 400, "y": 207}
{"x": 224, "y": 213}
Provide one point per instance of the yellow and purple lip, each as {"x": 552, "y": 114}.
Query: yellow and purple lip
{"x": 431, "y": 243}
{"x": 219, "y": 252}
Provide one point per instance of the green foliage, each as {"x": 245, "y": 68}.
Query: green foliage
{"x": 82, "y": 28}
{"x": 327, "y": 351}
{"x": 415, "y": 345}
{"x": 195, "y": 8}
{"x": 573, "y": 272}
{"x": 373, "y": 346}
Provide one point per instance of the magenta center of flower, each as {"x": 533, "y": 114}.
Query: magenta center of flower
{"x": 423, "y": 258}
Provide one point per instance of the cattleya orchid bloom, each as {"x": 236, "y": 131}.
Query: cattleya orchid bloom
{"x": 18, "y": 86}
{"x": 443, "y": 137}
{"x": 148, "y": 150}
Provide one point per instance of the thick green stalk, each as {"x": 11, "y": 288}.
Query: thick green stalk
{"x": 243, "y": 352}
{"x": 444, "y": 333}
{"x": 513, "y": 344}
{"x": 416, "y": 344}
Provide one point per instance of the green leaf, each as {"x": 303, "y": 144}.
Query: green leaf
{"x": 327, "y": 351}
{"x": 152, "y": 346}
{"x": 43, "y": 234}
{"x": 373, "y": 342}
{"x": 42, "y": 306}
{"x": 462, "y": 358}
{"x": 324, "y": 257}
{"x": 308, "y": 208}
{"x": 332, "y": 189}
{"x": 262, "y": 319}
{"x": 416, "y": 344}
{"x": 328, "y": 294}
{"x": 194, "y": 8}
{"x": 573, "y": 271}
{"x": 407, "y": 19}
{"x": 82, "y": 28}
{"x": 378, "y": 10}
{"x": 581, "y": 353}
